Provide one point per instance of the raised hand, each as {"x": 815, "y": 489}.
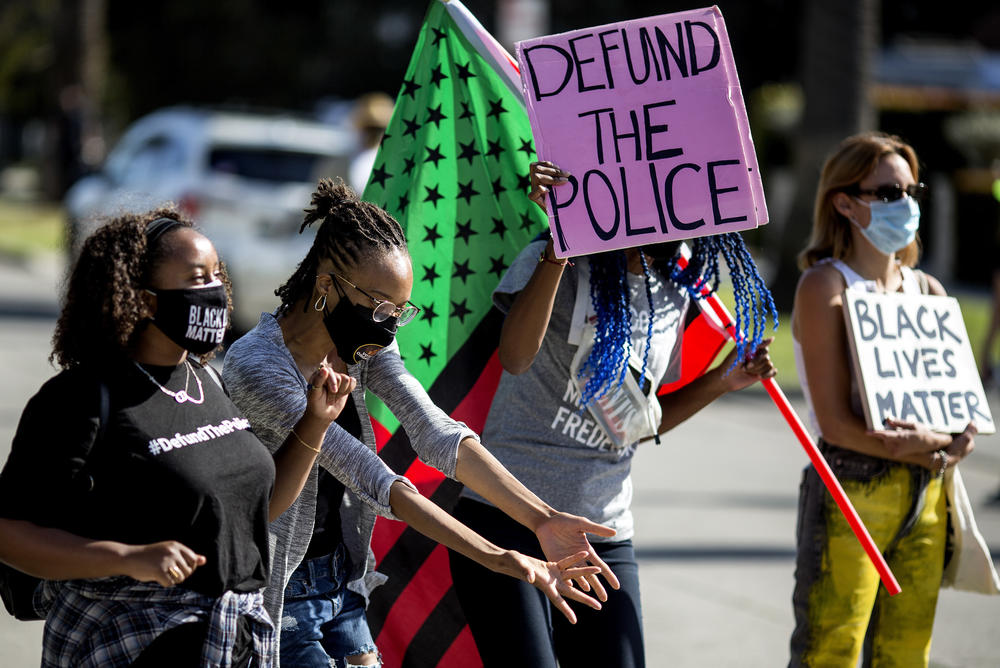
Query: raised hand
{"x": 168, "y": 563}
{"x": 564, "y": 535}
{"x": 544, "y": 176}
{"x": 327, "y": 393}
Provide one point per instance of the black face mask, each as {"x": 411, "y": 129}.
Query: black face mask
{"x": 353, "y": 331}
{"x": 193, "y": 318}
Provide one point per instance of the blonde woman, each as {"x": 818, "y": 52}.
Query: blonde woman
{"x": 865, "y": 237}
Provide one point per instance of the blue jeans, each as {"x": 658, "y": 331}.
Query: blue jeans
{"x": 323, "y": 622}
{"x": 514, "y": 624}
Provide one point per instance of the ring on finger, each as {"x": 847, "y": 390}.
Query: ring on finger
{"x": 175, "y": 574}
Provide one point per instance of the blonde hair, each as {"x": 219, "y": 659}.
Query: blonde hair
{"x": 855, "y": 158}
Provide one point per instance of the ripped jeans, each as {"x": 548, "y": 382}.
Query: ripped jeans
{"x": 323, "y": 622}
{"x": 840, "y": 607}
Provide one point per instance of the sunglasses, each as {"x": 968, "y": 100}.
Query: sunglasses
{"x": 890, "y": 192}
{"x": 385, "y": 309}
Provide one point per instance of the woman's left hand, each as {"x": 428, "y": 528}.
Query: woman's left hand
{"x": 554, "y": 579}
{"x": 563, "y": 535}
{"x": 327, "y": 394}
{"x": 903, "y": 438}
{"x": 757, "y": 367}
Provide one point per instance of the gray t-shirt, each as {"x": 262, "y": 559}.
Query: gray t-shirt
{"x": 535, "y": 427}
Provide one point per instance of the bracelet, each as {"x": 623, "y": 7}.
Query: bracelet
{"x": 542, "y": 258}
{"x": 299, "y": 439}
{"x": 943, "y": 462}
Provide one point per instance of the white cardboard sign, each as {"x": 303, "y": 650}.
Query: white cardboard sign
{"x": 913, "y": 361}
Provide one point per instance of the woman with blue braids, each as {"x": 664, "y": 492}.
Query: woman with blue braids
{"x": 585, "y": 345}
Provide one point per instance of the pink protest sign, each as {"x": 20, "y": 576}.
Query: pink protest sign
{"x": 648, "y": 116}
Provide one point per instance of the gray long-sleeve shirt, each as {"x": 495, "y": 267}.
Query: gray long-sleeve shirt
{"x": 269, "y": 390}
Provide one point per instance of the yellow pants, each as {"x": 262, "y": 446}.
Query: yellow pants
{"x": 840, "y": 606}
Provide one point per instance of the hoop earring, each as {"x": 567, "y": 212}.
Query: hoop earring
{"x": 320, "y": 303}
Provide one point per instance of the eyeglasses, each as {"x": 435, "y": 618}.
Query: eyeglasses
{"x": 890, "y": 192}
{"x": 385, "y": 309}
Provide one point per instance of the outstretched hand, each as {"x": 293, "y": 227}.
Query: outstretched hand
{"x": 554, "y": 579}
{"x": 327, "y": 393}
{"x": 564, "y": 535}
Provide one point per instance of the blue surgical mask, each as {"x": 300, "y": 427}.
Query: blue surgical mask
{"x": 893, "y": 225}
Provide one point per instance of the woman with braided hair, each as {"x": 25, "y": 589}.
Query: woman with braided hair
{"x": 341, "y": 307}
{"x": 585, "y": 345}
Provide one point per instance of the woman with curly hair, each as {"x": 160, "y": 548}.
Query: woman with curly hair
{"x": 134, "y": 487}
{"x": 585, "y": 346}
{"x": 342, "y": 307}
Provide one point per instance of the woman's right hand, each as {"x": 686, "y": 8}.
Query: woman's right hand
{"x": 168, "y": 563}
{"x": 544, "y": 176}
{"x": 554, "y": 579}
{"x": 327, "y": 394}
{"x": 902, "y": 439}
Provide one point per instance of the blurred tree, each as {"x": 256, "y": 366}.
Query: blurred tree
{"x": 838, "y": 43}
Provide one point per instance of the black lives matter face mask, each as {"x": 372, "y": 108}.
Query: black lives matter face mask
{"x": 193, "y": 318}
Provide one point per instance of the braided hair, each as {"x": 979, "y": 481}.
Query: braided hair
{"x": 609, "y": 296}
{"x": 350, "y": 231}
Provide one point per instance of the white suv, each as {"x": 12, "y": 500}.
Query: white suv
{"x": 244, "y": 178}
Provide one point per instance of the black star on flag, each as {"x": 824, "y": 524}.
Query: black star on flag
{"x": 426, "y": 354}
{"x": 410, "y": 87}
{"x": 495, "y": 148}
{"x": 430, "y": 274}
{"x": 428, "y": 313}
{"x": 438, "y": 36}
{"x": 411, "y": 127}
{"x": 435, "y": 116}
{"x": 527, "y": 221}
{"x": 437, "y": 76}
{"x": 498, "y": 186}
{"x": 499, "y": 227}
{"x": 433, "y": 195}
{"x": 496, "y": 108}
{"x": 466, "y": 112}
{"x": 408, "y": 165}
{"x": 463, "y": 72}
{"x": 404, "y": 201}
{"x": 468, "y": 151}
{"x": 466, "y": 191}
{"x": 434, "y": 154}
{"x": 379, "y": 176}
{"x": 526, "y": 146}
{"x": 464, "y": 231}
{"x": 497, "y": 266}
{"x": 462, "y": 271}
{"x": 431, "y": 234}
{"x": 460, "y": 310}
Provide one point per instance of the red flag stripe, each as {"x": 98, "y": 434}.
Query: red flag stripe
{"x": 416, "y": 601}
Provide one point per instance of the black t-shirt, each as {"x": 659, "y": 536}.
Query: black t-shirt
{"x": 193, "y": 473}
{"x": 330, "y": 492}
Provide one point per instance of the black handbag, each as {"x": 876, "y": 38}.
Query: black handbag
{"x": 17, "y": 589}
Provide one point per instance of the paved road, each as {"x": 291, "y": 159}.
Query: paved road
{"x": 714, "y": 506}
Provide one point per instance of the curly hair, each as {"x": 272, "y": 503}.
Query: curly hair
{"x": 104, "y": 310}
{"x": 351, "y": 230}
